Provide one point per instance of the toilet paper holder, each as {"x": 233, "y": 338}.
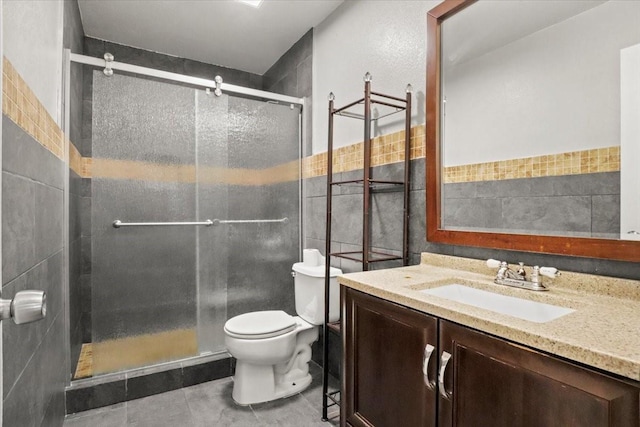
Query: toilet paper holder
{"x": 25, "y": 307}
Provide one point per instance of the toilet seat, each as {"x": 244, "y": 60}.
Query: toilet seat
{"x": 260, "y": 324}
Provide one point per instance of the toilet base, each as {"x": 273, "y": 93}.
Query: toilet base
{"x": 257, "y": 384}
{"x": 290, "y": 388}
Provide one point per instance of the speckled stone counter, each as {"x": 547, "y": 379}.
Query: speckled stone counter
{"x": 603, "y": 331}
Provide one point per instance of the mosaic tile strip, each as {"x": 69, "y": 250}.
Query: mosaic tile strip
{"x": 21, "y": 105}
{"x": 76, "y": 161}
{"x": 389, "y": 149}
{"x": 385, "y": 149}
{"x": 572, "y": 163}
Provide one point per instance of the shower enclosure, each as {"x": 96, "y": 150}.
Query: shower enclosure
{"x": 194, "y": 215}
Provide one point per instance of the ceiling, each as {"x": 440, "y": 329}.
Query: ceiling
{"x": 220, "y": 32}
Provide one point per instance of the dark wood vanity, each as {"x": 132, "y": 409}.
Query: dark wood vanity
{"x": 488, "y": 381}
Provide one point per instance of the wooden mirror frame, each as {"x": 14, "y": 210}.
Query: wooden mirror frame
{"x": 623, "y": 250}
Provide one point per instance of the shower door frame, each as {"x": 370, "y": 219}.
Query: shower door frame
{"x": 197, "y": 82}
{"x": 1, "y": 333}
{"x": 181, "y": 78}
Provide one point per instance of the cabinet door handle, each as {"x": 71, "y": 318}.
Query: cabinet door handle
{"x": 428, "y": 351}
{"x": 444, "y": 360}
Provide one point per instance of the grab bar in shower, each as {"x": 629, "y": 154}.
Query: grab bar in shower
{"x": 248, "y": 221}
{"x": 117, "y": 223}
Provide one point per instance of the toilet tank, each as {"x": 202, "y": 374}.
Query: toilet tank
{"x": 309, "y": 289}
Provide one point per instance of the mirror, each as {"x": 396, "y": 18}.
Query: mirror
{"x": 529, "y": 107}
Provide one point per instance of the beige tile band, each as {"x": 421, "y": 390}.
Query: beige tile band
{"x": 605, "y": 159}
{"x": 22, "y": 106}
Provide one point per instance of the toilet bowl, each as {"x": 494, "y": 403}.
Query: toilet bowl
{"x": 272, "y": 348}
{"x": 272, "y": 362}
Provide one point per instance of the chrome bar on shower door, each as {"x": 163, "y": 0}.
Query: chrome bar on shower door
{"x": 248, "y": 221}
{"x": 197, "y": 81}
{"x": 117, "y": 223}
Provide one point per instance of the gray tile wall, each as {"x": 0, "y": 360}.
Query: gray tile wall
{"x": 34, "y": 373}
{"x": 585, "y": 205}
{"x": 145, "y": 58}
{"x": 601, "y": 188}
{"x": 347, "y": 214}
{"x": 346, "y": 224}
{"x": 292, "y": 75}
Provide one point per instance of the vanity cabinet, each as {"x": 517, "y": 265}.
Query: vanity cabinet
{"x": 387, "y": 383}
{"x": 487, "y": 381}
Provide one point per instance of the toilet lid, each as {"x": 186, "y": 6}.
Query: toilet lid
{"x": 260, "y": 324}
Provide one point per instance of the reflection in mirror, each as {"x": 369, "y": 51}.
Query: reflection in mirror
{"x": 539, "y": 101}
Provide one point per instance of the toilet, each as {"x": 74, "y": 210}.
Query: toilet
{"x": 272, "y": 348}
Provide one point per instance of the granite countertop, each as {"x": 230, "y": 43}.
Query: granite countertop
{"x": 603, "y": 331}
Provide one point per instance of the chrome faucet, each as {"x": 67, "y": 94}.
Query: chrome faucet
{"x": 507, "y": 276}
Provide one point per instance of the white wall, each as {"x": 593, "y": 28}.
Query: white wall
{"x": 385, "y": 38}
{"x": 32, "y": 31}
{"x": 630, "y": 143}
{"x": 554, "y": 91}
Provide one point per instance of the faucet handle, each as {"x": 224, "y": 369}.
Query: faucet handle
{"x": 493, "y": 263}
{"x": 549, "y": 272}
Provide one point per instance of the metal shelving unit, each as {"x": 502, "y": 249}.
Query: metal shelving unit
{"x": 361, "y": 109}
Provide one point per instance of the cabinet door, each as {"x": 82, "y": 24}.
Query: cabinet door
{"x": 384, "y": 363}
{"x": 495, "y": 383}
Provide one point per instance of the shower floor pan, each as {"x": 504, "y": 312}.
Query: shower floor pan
{"x": 137, "y": 351}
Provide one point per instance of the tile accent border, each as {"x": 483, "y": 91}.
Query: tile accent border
{"x": 385, "y": 149}
{"x": 80, "y": 165}
{"x": 22, "y": 106}
{"x": 605, "y": 159}
{"x": 389, "y": 149}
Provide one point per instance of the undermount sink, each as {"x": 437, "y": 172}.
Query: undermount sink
{"x": 521, "y": 308}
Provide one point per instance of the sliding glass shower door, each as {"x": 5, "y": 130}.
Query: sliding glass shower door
{"x": 165, "y": 153}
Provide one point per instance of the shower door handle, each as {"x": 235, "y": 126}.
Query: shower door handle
{"x": 117, "y": 223}
{"x": 217, "y": 221}
{"x": 25, "y": 307}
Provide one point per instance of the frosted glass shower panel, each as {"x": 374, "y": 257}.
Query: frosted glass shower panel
{"x": 212, "y": 203}
{"x": 163, "y": 152}
{"x": 264, "y": 146}
{"x": 144, "y": 293}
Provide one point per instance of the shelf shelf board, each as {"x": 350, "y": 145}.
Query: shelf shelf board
{"x": 386, "y": 108}
{"x": 334, "y": 327}
{"x": 334, "y": 396}
{"x": 372, "y": 182}
{"x": 374, "y": 256}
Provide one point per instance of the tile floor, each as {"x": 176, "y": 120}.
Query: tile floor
{"x": 210, "y": 404}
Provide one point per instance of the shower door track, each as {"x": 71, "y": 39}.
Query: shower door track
{"x": 196, "y": 81}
